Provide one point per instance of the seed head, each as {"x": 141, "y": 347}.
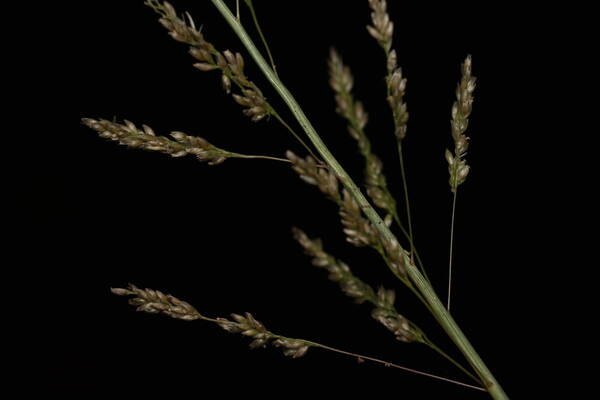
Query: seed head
{"x": 127, "y": 134}
{"x": 461, "y": 110}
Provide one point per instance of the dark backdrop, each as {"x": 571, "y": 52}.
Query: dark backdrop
{"x": 219, "y": 236}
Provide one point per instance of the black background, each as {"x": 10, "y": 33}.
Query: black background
{"x": 219, "y": 237}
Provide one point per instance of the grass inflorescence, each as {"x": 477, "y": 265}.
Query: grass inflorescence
{"x": 361, "y": 224}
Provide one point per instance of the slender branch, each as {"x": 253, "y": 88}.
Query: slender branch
{"x": 406, "y": 201}
{"x": 263, "y": 157}
{"x": 441, "y": 352}
{"x": 262, "y": 37}
{"x": 438, "y": 309}
{"x": 294, "y": 133}
{"x": 389, "y": 364}
{"x": 451, "y": 249}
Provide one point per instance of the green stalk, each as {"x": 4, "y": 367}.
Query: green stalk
{"x": 410, "y": 231}
{"x": 262, "y": 37}
{"x": 438, "y": 309}
{"x": 451, "y": 249}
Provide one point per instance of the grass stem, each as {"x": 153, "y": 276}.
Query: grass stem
{"x": 451, "y": 249}
{"x": 260, "y": 33}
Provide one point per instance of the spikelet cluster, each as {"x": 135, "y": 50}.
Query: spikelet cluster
{"x": 396, "y": 257}
{"x": 461, "y": 109}
{"x": 209, "y": 58}
{"x": 359, "y": 230}
{"x": 383, "y": 28}
{"x": 383, "y": 300}
{"x": 383, "y": 31}
{"x": 154, "y": 302}
{"x": 385, "y": 313}
{"x": 342, "y": 81}
{"x": 129, "y": 135}
{"x": 396, "y": 89}
{"x": 338, "y": 271}
{"x": 249, "y": 326}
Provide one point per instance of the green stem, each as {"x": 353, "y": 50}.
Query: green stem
{"x": 261, "y": 157}
{"x": 262, "y": 37}
{"x": 294, "y": 133}
{"x": 451, "y": 248}
{"x": 406, "y": 201}
{"x": 438, "y": 309}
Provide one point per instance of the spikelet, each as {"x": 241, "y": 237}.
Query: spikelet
{"x": 231, "y": 65}
{"x": 383, "y": 300}
{"x": 341, "y": 81}
{"x": 154, "y": 302}
{"x": 359, "y": 231}
{"x": 461, "y": 109}
{"x": 129, "y": 135}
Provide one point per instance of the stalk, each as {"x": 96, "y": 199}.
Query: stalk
{"x": 451, "y": 249}
{"x": 437, "y": 308}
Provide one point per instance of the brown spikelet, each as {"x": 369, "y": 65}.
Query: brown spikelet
{"x": 383, "y": 300}
{"x": 154, "y": 302}
{"x": 311, "y": 173}
{"x": 397, "y": 324}
{"x": 129, "y": 135}
{"x": 396, "y": 90}
{"x": 341, "y": 81}
{"x": 396, "y": 256}
{"x": 338, "y": 271}
{"x": 461, "y": 109}
{"x": 247, "y": 325}
{"x": 359, "y": 231}
{"x": 383, "y": 28}
{"x": 231, "y": 65}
